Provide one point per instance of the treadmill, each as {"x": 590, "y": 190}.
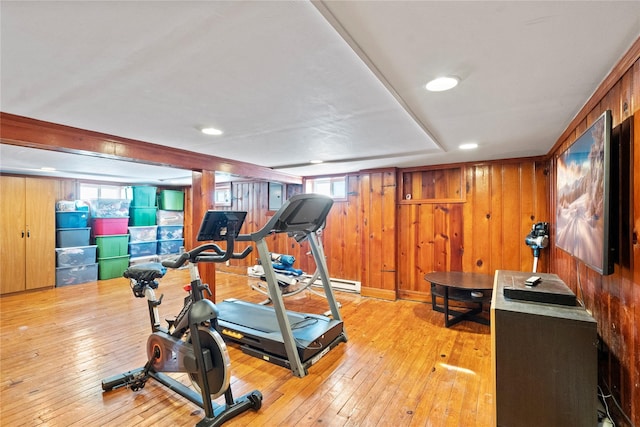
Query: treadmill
{"x": 290, "y": 339}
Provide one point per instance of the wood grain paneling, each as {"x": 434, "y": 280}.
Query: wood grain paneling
{"x": 483, "y": 233}
{"x": 13, "y": 232}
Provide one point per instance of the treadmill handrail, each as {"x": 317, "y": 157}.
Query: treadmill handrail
{"x": 279, "y": 222}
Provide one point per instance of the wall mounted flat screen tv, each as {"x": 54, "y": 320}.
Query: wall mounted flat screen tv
{"x": 584, "y": 196}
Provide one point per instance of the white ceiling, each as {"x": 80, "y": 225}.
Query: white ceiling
{"x": 292, "y": 81}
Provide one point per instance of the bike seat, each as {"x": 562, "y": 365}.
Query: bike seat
{"x": 145, "y": 272}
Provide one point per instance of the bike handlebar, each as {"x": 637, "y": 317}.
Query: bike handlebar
{"x": 200, "y": 254}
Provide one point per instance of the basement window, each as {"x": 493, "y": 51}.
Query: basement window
{"x": 335, "y": 187}
{"x": 97, "y": 191}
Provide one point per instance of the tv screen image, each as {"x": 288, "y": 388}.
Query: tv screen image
{"x": 582, "y": 189}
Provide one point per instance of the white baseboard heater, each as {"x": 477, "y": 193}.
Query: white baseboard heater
{"x": 338, "y": 284}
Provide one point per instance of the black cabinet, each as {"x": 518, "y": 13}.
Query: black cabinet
{"x": 544, "y": 359}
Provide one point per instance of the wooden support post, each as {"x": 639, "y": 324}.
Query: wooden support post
{"x": 202, "y": 199}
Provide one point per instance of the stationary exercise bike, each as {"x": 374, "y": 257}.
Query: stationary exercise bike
{"x": 190, "y": 342}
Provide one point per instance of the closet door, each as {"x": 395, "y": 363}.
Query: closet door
{"x": 12, "y": 234}
{"x": 40, "y": 223}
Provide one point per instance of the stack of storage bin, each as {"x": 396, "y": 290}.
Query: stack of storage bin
{"x": 142, "y": 244}
{"x": 110, "y": 219}
{"x": 142, "y": 225}
{"x": 170, "y": 220}
{"x": 75, "y": 258}
{"x": 143, "y": 207}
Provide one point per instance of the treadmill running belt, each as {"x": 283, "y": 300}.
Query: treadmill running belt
{"x": 258, "y": 317}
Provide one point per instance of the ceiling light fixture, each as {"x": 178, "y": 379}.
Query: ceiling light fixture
{"x": 442, "y": 83}
{"x": 211, "y": 131}
{"x": 468, "y": 146}
{"x": 315, "y": 162}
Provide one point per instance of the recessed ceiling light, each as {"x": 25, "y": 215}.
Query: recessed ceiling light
{"x": 468, "y": 146}
{"x": 442, "y": 83}
{"x": 315, "y": 162}
{"x": 211, "y": 131}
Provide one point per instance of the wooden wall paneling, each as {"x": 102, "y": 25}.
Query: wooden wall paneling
{"x": 388, "y": 232}
{"x": 469, "y": 189}
{"x": 424, "y": 185}
{"x": 441, "y": 243}
{"x": 67, "y": 189}
{"x": 375, "y": 283}
{"x": 424, "y": 235}
{"x": 625, "y": 102}
{"x": 526, "y": 196}
{"x": 456, "y": 236}
{"x": 365, "y": 212}
{"x": 337, "y": 255}
{"x": 510, "y": 246}
{"x": 406, "y": 262}
{"x": 496, "y": 243}
{"x": 542, "y": 204}
{"x": 480, "y": 216}
{"x": 428, "y": 185}
{"x": 333, "y": 245}
{"x": 375, "y": 237}
{"x": 454, "y": 184}
{"x": 353, "y": 248}
{"x": 407, "y": 185}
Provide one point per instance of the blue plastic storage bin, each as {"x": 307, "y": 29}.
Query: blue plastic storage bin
{"x": 71, "y": 219}
{"x": 170, "y": 232}
{"x": 139, "y": 249}
{"x": 67, "y": 237}
{"x": 169, "y": 246}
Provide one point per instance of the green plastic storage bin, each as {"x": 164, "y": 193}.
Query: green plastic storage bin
{"x": 142, "y": 216}
{"x": 109, "y": 268}
{"x": 171, "y": 200}
{"x": 112, "y": 246}
{"x": 143, "y": 196}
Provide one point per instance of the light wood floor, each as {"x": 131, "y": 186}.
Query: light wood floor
{"x": 400, "y": 367}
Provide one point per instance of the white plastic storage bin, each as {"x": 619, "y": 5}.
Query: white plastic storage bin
{"x": 170, "y": 217}
{"x": 109, "y": 208}
{"x": 76, "y": 274}
{"x": 145, "y": 233}
{"x": 74, "y": 256}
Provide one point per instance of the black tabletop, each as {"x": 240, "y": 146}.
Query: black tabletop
{"x": 458, "y": 279}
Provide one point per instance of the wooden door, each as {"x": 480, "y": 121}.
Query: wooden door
{"x": 40, "y": 224}
{"x": 12, "y": 234}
